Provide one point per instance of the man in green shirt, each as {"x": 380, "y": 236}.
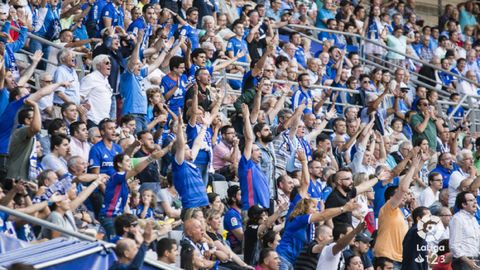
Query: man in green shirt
{"x": 425, "y": 124}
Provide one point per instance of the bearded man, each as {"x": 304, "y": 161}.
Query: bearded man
{"x": 263, "y": 139}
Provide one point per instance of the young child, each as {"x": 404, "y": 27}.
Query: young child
{"x": 148, "y": 202}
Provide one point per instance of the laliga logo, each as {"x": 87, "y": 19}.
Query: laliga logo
{"x": 430, "y": 228}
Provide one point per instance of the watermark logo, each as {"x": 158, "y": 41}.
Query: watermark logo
{"x": 430, "y": 228}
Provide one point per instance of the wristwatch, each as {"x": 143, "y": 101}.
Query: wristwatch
{"x": 341, "y": 209}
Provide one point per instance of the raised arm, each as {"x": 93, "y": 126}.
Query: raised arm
{"x": 247, "y": 132}
{"x": 305, "y": 178}
{"x": 36, "y": 124}
{"x": 36, "y": 57}
{"x": 280, "y": 104}
{"x": 101, "y": 180}
{"x": 134, "y": 57}
{"x": 330, "y": 213}
{"x": 180, "y": 142}
{"x": 47, "y": 90}
{"x": 227, "y": 63}
{"x": 256, "y": 104}
{"x": 147, "y": 160}
{"x": 197, "y": 143}
{"x": 346, "y": 239}
{"x": 192, "y": 118}
{"x": 403, "y": 186}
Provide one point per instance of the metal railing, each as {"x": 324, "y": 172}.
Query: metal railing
{"x": 51, "y": 226}
{"x": 364, "y": 39}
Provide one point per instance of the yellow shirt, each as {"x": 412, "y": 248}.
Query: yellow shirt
{"x": 392, "y": 228}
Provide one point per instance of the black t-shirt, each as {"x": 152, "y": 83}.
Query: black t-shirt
{"x": 336, "y": 199}
{"x": 151, "y": 173}
{"x": 251, "y": 249}
{"x": 307, "y": 260}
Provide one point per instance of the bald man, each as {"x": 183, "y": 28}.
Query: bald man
{"x": 192, "y": 240}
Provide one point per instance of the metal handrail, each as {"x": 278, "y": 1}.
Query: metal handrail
{"x": 51, "y": 226}
{"x": 380, "y": 45}
{"x": 33, "y": 36}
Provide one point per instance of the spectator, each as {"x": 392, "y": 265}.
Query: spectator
{"x": 96, "y": 89}
{"x": 117, "y": 189}
{"x": 464, "y": 233}
{"x": 331, "y": 254}
{"x": 79, "y": 145}
{"x": 425, "y": 124}
{"x": 233, "y": 222}
{"x": 465, "y": 172}
{"x": 413, "y": 241}
{"x": 167, "y": 251}
{"x": 66, "y": 73}
{"x": 268, "y": 260}
{"x": 25, "y": 158}
{"x": 431, "y": 193}
{"x": 391, "y": 220}
{"x": 60, "y": 149}
{"x": 130, "y": 256}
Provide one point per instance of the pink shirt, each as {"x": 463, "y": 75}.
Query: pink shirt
{"x": 220, "y": 151}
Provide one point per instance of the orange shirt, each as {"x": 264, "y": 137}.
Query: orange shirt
{"x": 392, "y": 228}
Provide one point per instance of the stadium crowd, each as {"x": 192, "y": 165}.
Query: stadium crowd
{"x": 218, "y": 137}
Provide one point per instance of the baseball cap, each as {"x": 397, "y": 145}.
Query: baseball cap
{"x": 232, "y": 191}
{"x": 255, "y": 211}
{"x": 363, "y": 237}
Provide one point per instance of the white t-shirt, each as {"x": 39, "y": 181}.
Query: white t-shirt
{"x": 455, "y": 180}
{"x": 327, "y": 259}
{"x": 427, "y": 197}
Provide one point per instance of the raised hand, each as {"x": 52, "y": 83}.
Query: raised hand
{"x": 207, "y": 119}
{"x": 300, "y": 155}
{"x": 37, "y": 56}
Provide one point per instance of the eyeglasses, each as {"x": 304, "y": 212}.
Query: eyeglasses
{"x": 422, "y": 104}
{"x": 269, "y": 70}
{"x": 366, "y": 82}
{"x": 47, "y": 81}
{"x": 133, "y": 224}
{"x": 437, "y": 180}
{"x": 446, "y": 215}
{"x": 107, "y": 63}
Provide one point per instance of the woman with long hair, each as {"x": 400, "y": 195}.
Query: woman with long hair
{"x": 299, "y": 228}
{"x": 117, "y": 188}
{"x": 373, "y": 31}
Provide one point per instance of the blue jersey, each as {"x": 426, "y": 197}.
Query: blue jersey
{"x": 102, "y": 157}
{"x": 379, "y": 199}
{"x": 177, "y": 100}
{"x": 3, "y": 222}
{"x": 116, "y": 195}
{"x": 236, "y": 45}
{"x": 140, "y": 24}
{"x": 115, "y": 14}
{"x": 315, "y": 190}
{"x": 446, "y": 78}
{"x": 8, "y": 120}
{"x": 189, "y": 184}
{"x": 253, "y": 193}
{"x": 190, "y": 33}
{"x": 139, "y": 210}
{"x": 133, "y": 95}
{"x": 203, "y": 156}
{"x": 300, "y": 57}
{"x": 232, "y": 220}
{"x": 294, "y": 238}
{"x": 300, "y": 97}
